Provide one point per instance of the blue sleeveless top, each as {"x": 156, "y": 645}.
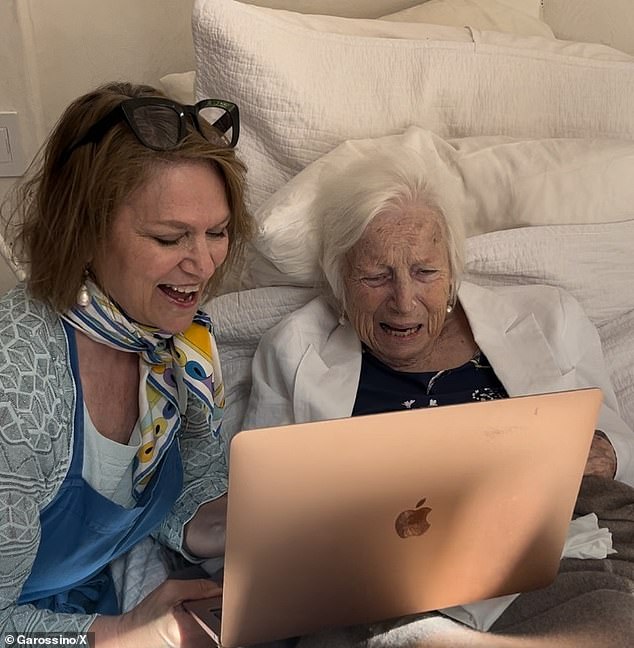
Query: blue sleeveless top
{"x": 82, "y": 531}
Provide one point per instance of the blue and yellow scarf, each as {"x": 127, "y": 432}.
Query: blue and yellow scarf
{"x": 170, "y": 367}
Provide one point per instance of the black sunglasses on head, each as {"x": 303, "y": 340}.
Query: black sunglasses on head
{"x": 161, "y": 124}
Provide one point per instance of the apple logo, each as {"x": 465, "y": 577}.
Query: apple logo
{"x": 413, "y": 522}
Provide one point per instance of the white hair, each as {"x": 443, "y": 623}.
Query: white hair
{"x": 370, "y": 187}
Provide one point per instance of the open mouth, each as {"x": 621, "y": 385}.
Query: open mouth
{"x": 182, "y": 294}
{"x": 401, "y": 332}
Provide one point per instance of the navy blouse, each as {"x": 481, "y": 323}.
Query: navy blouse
{"x": 382, "y": 389}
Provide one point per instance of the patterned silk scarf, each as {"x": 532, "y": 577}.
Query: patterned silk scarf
{"x": 170, "y": 366}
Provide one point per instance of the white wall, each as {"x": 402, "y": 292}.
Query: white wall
{"x": 16, "y": 93}
{"x": 51, "y": 51}
{"x": 610, "y": 22}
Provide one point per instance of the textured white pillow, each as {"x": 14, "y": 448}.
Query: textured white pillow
{"x": 481, "y": 14}
{"x": 372, "y": 8}
{"x": 302, "y": 91}
{"x": 501, "y": 183}
{"x": 594, "y": 262}
{"x": 501, "y": 15}
{"x": 240, "y": 319}
{"x": 617, "y": 338}
{"x": 367, "y": 28}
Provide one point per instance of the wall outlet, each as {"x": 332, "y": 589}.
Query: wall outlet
{"x": 12, "y": 162}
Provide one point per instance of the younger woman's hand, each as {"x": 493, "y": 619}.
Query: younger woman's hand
{"x": 159, "y": 619}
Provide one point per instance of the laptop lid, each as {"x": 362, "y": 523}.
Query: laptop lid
{"x": 361, "y": 519}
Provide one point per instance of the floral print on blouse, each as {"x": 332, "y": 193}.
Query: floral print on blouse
{"x": 382, "y": 389}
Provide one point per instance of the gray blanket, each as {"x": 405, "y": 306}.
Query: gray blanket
{"x": 591, "y": 602}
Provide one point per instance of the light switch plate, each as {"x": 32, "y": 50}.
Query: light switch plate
{"x": 12, "y": 162}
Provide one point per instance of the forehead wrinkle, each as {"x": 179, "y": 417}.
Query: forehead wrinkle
{"x": 405, "y": 248}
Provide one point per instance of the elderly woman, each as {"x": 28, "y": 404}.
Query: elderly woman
{"x": 397, "y": 328}
{"x": 112, "y": 394}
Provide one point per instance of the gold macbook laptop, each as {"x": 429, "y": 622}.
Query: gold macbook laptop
{"x": 362, "y": 519}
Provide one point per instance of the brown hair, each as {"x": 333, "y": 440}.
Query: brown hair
{"x": 62, "y": 212}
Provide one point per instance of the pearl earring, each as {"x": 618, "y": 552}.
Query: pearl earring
{"x": 342, "y": 319}
{"x": 83, "y": 296}
{"x": 449, "y": 308}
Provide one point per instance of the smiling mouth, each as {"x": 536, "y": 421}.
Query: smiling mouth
{"x": 401, "y": 332}
{"x": 181, "y": 294}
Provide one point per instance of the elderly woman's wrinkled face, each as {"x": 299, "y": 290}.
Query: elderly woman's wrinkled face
{"x": 165, "y": 243}
{"x": 397, "y": 286}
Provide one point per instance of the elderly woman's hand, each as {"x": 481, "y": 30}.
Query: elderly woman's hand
{"x": 602, "y": 458}
{"x": 159, "y": 620}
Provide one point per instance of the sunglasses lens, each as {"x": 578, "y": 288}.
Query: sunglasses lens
{"x": 214, "y": 120}
{"x": 157, "y": 126}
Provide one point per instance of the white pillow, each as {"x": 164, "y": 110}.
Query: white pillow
{"x": 179, "y": 86}
{"x": 533, "y": 8}
{"x": 501, "y": 15}
{"x": 481, "y": 14}
{"x": 240, "y": 319}
{"x": 500, "y": 183}
{"x": 302, "y": 91}
{"x": 344, "y": 8}
{"x": 372, "y": 8}
{"x": 594, "y": 262}
{"x": 617, "y": 338}
{"x": 367, "y": 28}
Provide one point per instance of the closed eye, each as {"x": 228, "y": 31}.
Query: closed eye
{"x": 375, "y": 280}
{"x": 220, "y": 234}
{"x": 426, "y": 273}
{"x": 161, "y": 240}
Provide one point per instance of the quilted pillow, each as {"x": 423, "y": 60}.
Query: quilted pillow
{"x": 594, "y": 262}
{"x": 617, "y": 338}
{"x": 481, "y": 14}
{"x": 372, "y": 8}
{"x": 500, "y": 182}
{"x": 303, "y": 90}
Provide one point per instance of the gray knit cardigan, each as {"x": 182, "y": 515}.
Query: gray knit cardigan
{"x": 38, "y": 397}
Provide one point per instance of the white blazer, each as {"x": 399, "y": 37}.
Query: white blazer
{"x": 537, "y": 339}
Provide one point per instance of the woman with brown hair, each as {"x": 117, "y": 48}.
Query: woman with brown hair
{"x": 112, "y": 392}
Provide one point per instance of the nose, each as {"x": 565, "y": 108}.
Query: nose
{"x": 199, "y": 260}
{"x": 404, "y": 296}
